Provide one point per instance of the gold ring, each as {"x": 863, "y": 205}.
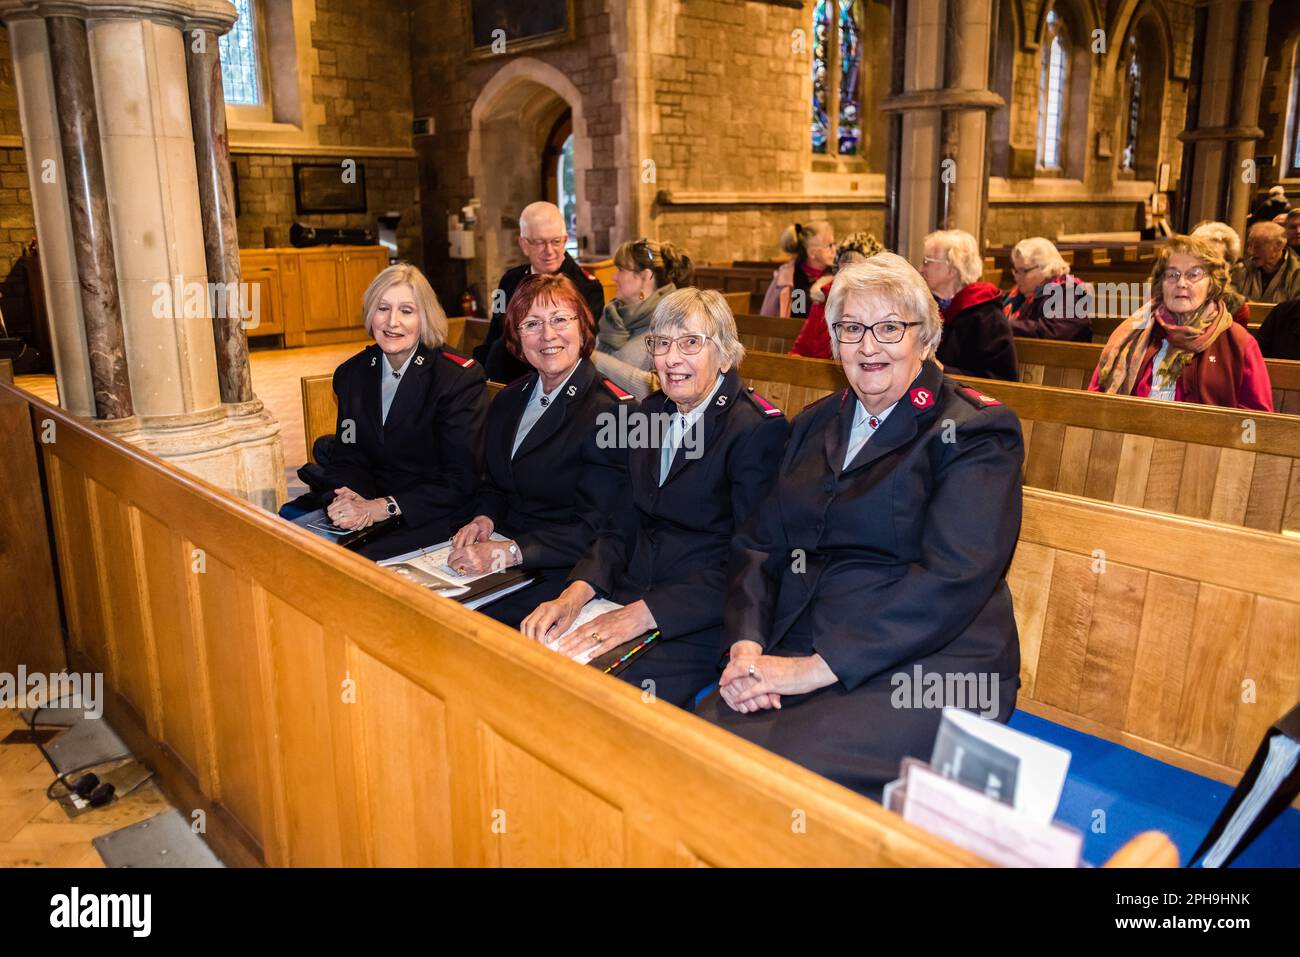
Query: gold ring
{"x": 751, "y": 672}
{"x": 595, "y": 637}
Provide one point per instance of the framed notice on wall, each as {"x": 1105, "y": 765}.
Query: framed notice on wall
{"x": 506, "y": 26}
{"x": 329, "y": 187}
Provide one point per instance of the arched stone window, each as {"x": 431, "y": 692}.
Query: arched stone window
{"x": 837, "y": 77}
{"x": 1053, "y": 87}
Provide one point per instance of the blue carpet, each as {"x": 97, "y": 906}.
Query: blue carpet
{"x": 1138, "y": 793}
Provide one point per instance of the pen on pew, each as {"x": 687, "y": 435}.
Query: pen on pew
{"x": 648, "y": 638}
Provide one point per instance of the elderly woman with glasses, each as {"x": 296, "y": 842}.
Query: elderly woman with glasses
{"x": 1182, "y": 345}
{"x": 702, "y": 453}
{"x": 547, "y": 485}
{"x": 977, "y": 338}
{"x": 877, "y": 564}
{"x": 1048, "y": 302}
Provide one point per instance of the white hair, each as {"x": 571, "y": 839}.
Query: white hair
{"x": 1041, "y": 252}
{"x": 962, "y": 251}
{"x": 715, "y": 316}
{"x": 892, "y": 278}
{"x": 1224, "y": 235}
{"x": 535, "y": 212}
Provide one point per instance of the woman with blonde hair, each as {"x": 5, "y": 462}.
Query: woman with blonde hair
{"x": 410, "y": 419}
{"x": 1183, "y": 346}
{"x": 813, "y": 247}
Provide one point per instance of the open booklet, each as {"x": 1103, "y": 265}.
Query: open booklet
{"x": 625, "y": 652}
{"x": 428, "y": 568}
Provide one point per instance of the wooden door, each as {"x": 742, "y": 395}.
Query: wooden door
{"x": 322, "y": 291}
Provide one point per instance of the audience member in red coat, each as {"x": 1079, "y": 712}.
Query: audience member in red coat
{"x": 977, "y": 339}
{"x": 1183, "y": 345}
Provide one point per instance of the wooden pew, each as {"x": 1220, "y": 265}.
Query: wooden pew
{"x": 1175, "y": 637}
{"x": 1070, "y": 365}
{"x": 1194, "y": 460}
{"x": 322, "y": 712}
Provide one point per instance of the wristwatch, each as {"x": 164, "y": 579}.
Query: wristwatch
{"x": 391, "y": 507}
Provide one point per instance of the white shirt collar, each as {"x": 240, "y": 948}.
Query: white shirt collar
{"x": 697, "y": 413}
{"x": 550, "y": 396}
{"x": 401, "y": 371}
{"x": 861, "y": 415}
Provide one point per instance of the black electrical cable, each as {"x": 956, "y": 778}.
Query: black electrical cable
{"x": 61, "y": 777}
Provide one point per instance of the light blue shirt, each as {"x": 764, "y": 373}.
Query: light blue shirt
{"x": 538, "y": 402}
{"x": 390, "y": 379}
{"x": 864, "y": 427}
{"x": 679, "y": 425}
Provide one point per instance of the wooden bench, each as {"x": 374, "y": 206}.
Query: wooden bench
{"x": 322, "y": 712}
{"x": 250, "y": 661}
{"x": 1195, "y": 460}
{"x": 1070, "y": 365}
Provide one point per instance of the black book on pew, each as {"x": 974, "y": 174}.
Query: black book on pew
{"x": 1269, "y": 785}
{"x": 427, "y": 567}
{"x": 318, "y": 523}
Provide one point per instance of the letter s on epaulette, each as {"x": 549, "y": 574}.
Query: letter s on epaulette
{"x": 763, "y": 406}
{"x": 461, "y": 361}
{"x": 616, "y": 392}
{"x": 977, "y": 399}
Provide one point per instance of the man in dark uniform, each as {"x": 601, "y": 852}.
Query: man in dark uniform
{"x": 542, "y": 235}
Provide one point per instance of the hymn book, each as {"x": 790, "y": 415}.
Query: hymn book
{"x": 428, "y": 568}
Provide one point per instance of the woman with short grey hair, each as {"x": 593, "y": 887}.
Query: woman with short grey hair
{"x": 899, "y": 498}
{"x": 702, "y": 454}
{"x": 1047, "y": 302}
{"x": 977, "y": 338}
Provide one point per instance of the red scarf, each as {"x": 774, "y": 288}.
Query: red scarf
{"x": 967, "y": 296}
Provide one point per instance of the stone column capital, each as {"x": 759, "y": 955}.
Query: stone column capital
{"x": 1221, "y": 133}
{"x": 942, "y": 100}
{"x": 216, "y": 15}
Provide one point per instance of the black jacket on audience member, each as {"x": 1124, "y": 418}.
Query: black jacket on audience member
{"x": 559, "y": 490}
{"x": 499, "y": 363}
{"x": 1279, "y": 333}
{"x": 676, "y": 538}
{"x": 894, "y": 563}
{"x": 977, "y": 338}
{"x": 424, "y": 455}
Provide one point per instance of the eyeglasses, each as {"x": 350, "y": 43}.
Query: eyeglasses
{"x": 887, "y": 331}
{"x": 533, "y": 327}
{"x": 687, "y": 345}
{"x": 1024, "y": 270}
{"x": 927, "y": 260}
{"x": 542, "y": 243}
{"x": 1195, "y": 274}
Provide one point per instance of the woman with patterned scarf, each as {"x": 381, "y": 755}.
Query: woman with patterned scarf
{"x": 1183, "y": 345}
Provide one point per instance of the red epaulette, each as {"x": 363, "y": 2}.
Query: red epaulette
{"x": 767, "y": 408}
{"x": 977, "y": 399}
{"x": 616, "y": 392}
{"x": 587, "y": 274}
{"x": 461, "y": 361}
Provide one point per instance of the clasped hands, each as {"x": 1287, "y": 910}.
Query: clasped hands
{"x": 349, "y": 510}
{"x": 753, "y": 681}
{"x": 473, "y": 552}
{"x": 553, "y": 618}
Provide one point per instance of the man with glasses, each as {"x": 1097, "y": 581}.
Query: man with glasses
{"x": 542, "y": 237}
{"x": 1272, "y": 270}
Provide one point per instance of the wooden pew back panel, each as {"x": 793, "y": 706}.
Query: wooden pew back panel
{"x": 328, "y": 713}
{"x": 1176, "y": 637}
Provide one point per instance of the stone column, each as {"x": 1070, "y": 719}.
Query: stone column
{"x": 942, "y": 173}
{"x": 1226, "y": 125}
{"x": 217, "y": 202}
{"x": 150, "y": 187}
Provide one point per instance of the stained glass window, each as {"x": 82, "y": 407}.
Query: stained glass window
{"x": 1295, "y": 116}
{"x": 1051, "y": 94}
{"x": 240, "y": 75}
{"x": 850, "y": 126}
{"x": 821, "y": 124}
{"x": 1129, "y": 159}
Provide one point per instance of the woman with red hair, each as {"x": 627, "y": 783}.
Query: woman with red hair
{"x": 547, "y": 485}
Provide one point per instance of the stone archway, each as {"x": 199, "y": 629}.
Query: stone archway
{"x": 509, "y": 126}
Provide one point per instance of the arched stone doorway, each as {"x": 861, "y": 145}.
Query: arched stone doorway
{"x": 511, "y": 125}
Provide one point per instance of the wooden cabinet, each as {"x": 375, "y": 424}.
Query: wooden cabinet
{"x": 311, "y": 296}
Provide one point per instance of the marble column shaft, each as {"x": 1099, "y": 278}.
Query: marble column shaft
{"x": 83, "y": 167}
{"x": 217, "y": 200}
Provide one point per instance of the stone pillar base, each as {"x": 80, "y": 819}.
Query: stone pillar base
{"x": 234, "y": 446}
